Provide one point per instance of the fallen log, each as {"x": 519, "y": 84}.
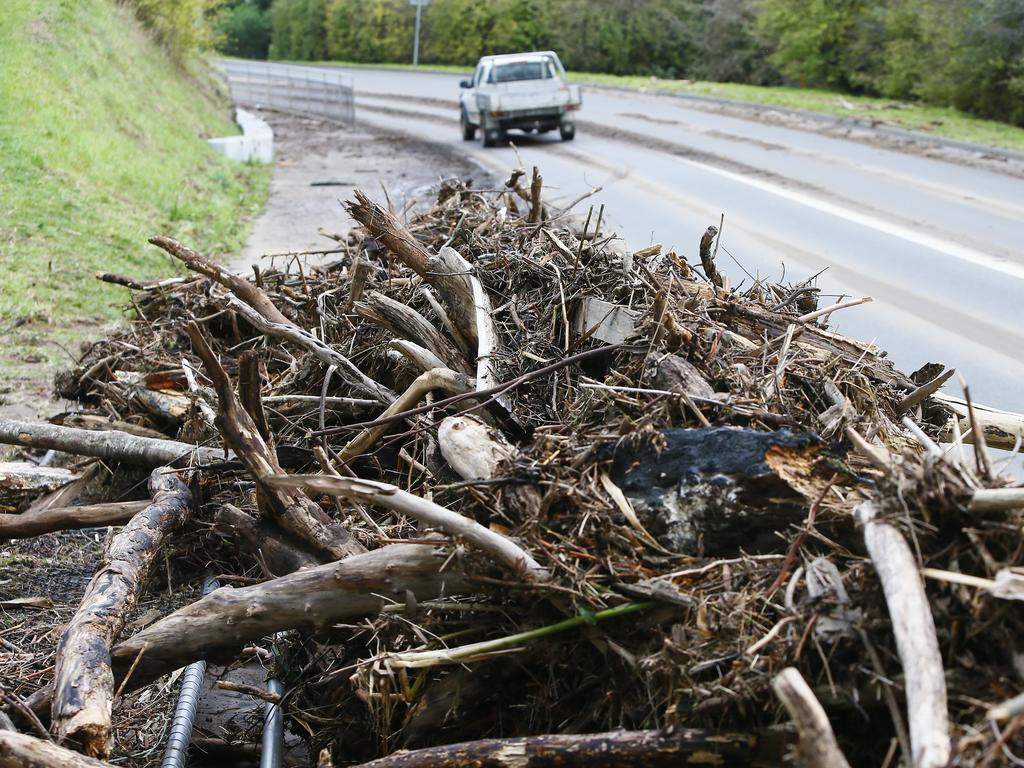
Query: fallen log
{"x": 20, "y": 751}
{"x": 109, "y": 444}
{"x": 722, "y": 489}
{"x": 32, "y": 523}
{"x": 83, "y": 682}
{"x": 216, "y": 626}
{"x": 615, "y": 749}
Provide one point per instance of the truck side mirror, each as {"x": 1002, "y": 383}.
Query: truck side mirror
{"x": 466, "y": 84}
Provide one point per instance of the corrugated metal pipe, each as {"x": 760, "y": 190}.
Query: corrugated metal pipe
{"x": 273, "y": 723}
{"x": 176, "y": 751}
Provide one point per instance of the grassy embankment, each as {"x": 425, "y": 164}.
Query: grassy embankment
{"x": 937, "y": 121}
{"x": 102, "y": 145}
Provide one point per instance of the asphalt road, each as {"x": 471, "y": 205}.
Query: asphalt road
{"x": 939, "y": 246}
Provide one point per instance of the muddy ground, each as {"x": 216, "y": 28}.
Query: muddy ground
{"x": 318, "y": 164}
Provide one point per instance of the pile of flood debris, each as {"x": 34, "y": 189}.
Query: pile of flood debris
{"x": 493, "y": 489}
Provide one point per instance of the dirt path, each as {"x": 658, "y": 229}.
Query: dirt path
{"x": 318, "y": 164}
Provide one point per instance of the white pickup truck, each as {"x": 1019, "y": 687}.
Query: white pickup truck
{"x": 528, "y": 91}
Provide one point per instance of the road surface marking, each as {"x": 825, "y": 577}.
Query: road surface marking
{"x": 963, "y": 253}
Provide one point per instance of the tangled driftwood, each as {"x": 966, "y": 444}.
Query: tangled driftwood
{"x": 516, "y": 494}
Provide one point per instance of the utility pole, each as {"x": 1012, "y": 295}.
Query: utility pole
{"x": 416, "y": 41}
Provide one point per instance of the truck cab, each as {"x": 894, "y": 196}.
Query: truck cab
{"x": 523, "y": 91}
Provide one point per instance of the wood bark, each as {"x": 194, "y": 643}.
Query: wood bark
{"x": 268, "y": 544}
{"x": 216, "y": 626}
{"x": 239, "y": 286}
{"x": 916, "y": 643}
{"x": 389, "y": 231}
{"x": 818, "y": 745}
{"x": 18, "y": 750}
{"x": 32, "y": 523}
{"x": 83, "y": 680}
{"x": 291, "y": 508}
{"x": 615, "y": 749}
{"x": 109, "y": 444}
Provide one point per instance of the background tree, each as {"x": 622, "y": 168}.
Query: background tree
{"x": 244, "y": 29}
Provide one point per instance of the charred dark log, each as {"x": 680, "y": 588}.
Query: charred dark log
{"x": 715, "y": 491}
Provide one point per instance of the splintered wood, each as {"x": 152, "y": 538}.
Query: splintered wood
{"x": 493, "y": 489}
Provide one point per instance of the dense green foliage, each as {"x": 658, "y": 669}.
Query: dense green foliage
{"x": 181, "y": 26}
{"x": 968, "y": 54}
{"x": 244, "y": 28}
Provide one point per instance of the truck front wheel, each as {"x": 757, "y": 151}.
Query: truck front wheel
{"x": 468, "y": 129}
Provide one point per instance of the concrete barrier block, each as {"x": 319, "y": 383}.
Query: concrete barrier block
{"x": 256, "y": 144}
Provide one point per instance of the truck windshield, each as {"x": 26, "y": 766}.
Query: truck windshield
{"x": 521, "y": 70}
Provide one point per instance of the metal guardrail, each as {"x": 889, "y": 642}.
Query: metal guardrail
{"x": 291, "y": 88}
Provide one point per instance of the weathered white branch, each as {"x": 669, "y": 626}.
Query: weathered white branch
{"x": 501, "y": 549}
{"x": 471, "y": 448}
{"x": 818, "y": 745}
{"x": 437, "y": 378}
{"x": 107, "y": 444}
{"x": 914, "y": 629}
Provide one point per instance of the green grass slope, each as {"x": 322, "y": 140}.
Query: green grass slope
{"x": 102, "y": 145}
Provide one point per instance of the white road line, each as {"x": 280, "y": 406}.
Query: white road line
{"x": 963, "y": 253}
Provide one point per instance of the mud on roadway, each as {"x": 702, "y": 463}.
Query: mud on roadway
{"x": 318, "y": 164}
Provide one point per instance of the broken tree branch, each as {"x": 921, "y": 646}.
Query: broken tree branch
{"x": 18, "y": 750}
{"x": 503, "y": 550}
{"x": 34, "y": 523}
{"x": 83, "y": 682}
{"x": 818, "y": 745}
{"x": 914, "y": 629}
{"x": 437, "y": 378}
{"x": 109, "y": 444}
{"x": 292, "y": 509}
